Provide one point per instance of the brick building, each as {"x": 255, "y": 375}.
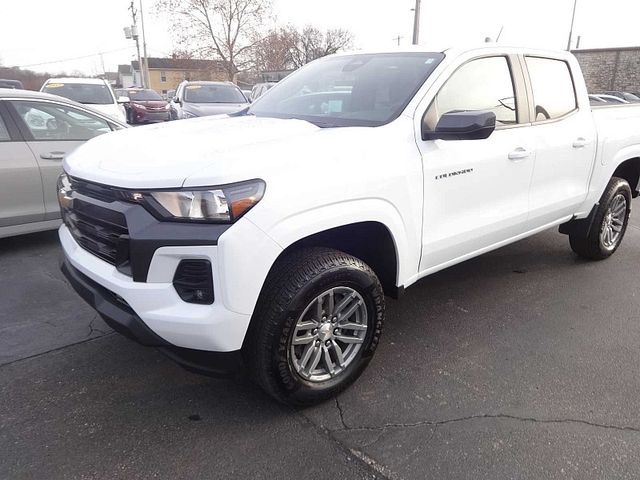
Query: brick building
{"x": 610, "y": 68}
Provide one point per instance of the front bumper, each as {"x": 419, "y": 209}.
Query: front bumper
{"x": 156, "y": 302}
{"x": 120, "y": 316}
{"x": 151, "y": 116}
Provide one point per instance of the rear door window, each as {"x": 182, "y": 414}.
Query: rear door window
{"x": 554, "y": 94}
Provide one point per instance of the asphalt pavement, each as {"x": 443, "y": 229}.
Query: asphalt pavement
{"x": 520, "y": 364}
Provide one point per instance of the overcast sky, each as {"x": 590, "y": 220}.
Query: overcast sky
{"x": 45, "y": 35}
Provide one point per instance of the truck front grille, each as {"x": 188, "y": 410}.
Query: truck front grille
{"x": 98, "y": 229}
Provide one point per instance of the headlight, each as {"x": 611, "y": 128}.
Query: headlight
{"x": 224, "y": 204}
{"x": 137, "y": 105}
{"x": 188, "y": 114}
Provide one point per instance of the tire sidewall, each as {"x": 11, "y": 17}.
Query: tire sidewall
{"x": 292, "y": 384}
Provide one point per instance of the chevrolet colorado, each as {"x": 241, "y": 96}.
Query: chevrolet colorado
{"x": 268, "y": 239}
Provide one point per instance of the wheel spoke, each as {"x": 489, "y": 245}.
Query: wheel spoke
{"x": 303, "y": 340}
{"x": 327, "y": 361}
{"x": 317, "y": 354}
{"x": 345, "y": 301}
{"x": 319, "y": 309}
{"x": 351, "y": 326}
{"x": 348, "y": 339}
{"x": 338, "y": 351}
{"x": 308, "y": 325}
{"x": 350, "y": 311}
{"x": 330, "y": 303}
{"x": 306, "y": 355}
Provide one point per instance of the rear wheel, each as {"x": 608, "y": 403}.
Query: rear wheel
{"x": 316, "y": 326}
{"x": 609, "y": 224}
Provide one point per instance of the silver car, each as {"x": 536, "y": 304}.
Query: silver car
{"x": 36, "y": 131}
{"x": 200, "y": 99}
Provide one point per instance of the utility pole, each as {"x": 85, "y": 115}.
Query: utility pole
{"x": 398, "y": 38}
{"x": 144, "y": 47}
{"x": 132, "y": 32}
{"x": 573, "y": 18}
{"x": 416, "y": 23}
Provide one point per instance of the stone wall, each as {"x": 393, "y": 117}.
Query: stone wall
{"x": 610, "y": 69}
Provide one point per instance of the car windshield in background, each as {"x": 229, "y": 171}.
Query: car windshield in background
{"x": 213, "y": 94}
{"x": 143, "y": 95}
{"x": 353, "y": 90}
{"x": 81, "y": 92}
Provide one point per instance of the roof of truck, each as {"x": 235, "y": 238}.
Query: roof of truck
{"x": 459, "y": 50}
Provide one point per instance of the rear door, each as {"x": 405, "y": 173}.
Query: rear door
{"x": 52, "y": 131}
{"x": 20, "y": 183}
{"x": 565, "y": 136}
{"x": 476, "y": 192}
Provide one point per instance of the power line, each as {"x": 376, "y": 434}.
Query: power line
{"x": 73, "y": 58}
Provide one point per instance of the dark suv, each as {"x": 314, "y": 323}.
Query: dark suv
{"x": 144, "y": 106}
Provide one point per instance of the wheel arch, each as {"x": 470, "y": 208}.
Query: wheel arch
{"x": 630, "y": 171}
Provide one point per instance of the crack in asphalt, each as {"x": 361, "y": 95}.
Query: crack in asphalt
{"x": 436, "y": 423}
{"x": 93, "y": 329}
{"x": 341, "y": 412}
{"x": 36, "y": 355}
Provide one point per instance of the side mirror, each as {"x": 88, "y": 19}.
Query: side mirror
{"x": 124, "y": 100}
{"x": 462, "y": 125}
{"x": 175, "y": 100}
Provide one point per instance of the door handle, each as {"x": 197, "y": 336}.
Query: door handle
{"x": 580, "y": 142}
{"x": 52, "y": 156}
{"x": 519, "y": 153}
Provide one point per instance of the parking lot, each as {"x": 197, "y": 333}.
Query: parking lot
{"x": 522, "y": 363}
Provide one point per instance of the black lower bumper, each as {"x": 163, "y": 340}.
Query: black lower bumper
{"x": 120, "y": 316}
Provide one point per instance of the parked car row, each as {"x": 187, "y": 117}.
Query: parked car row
{"x": 613, "y": 98}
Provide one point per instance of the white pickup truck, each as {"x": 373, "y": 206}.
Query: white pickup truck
{"x": 268, "y": 239}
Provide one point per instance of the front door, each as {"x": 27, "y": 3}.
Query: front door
{"x": 476, "y": 192}
{"x": 20, "y": 184}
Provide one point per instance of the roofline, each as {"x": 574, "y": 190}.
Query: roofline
{"x": 606, "y": 49}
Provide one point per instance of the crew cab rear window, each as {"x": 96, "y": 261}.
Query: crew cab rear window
{"x": 484, "y": 84}
{"x": 553, "y": 91}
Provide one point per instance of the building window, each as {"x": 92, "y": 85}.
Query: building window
{"x": 163, "y": 76}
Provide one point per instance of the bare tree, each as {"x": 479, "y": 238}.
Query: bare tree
{"x": 313, "y": 44}
{"x": 274, "y": 51}
{"x": 287, "y": 48}
{"x": 227, "y": 29}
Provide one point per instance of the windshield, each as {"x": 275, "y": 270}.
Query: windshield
{"x": 87, "y": 93}
{"x": 213, "y": 94}
{"x": 353, "y": 90}
{"x": 143, "y": 95}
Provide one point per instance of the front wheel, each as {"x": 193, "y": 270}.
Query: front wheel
{"x": 316, "y": 326}
{"x": 609, "y": 224}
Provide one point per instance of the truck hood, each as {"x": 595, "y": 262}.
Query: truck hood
{"x": 165, "y": 155}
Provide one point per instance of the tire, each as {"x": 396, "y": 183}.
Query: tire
{"x": 288, "y": 306}
{"x": 613, "y": 212}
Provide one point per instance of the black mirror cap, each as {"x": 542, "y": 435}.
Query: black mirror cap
{"x": 462, "y": 125}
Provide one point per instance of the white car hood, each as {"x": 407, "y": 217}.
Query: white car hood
{"x": 110, "y": 109}
{"x": 165, "y": 155}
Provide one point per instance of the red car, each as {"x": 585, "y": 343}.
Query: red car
{"x": 145, "y": 105}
